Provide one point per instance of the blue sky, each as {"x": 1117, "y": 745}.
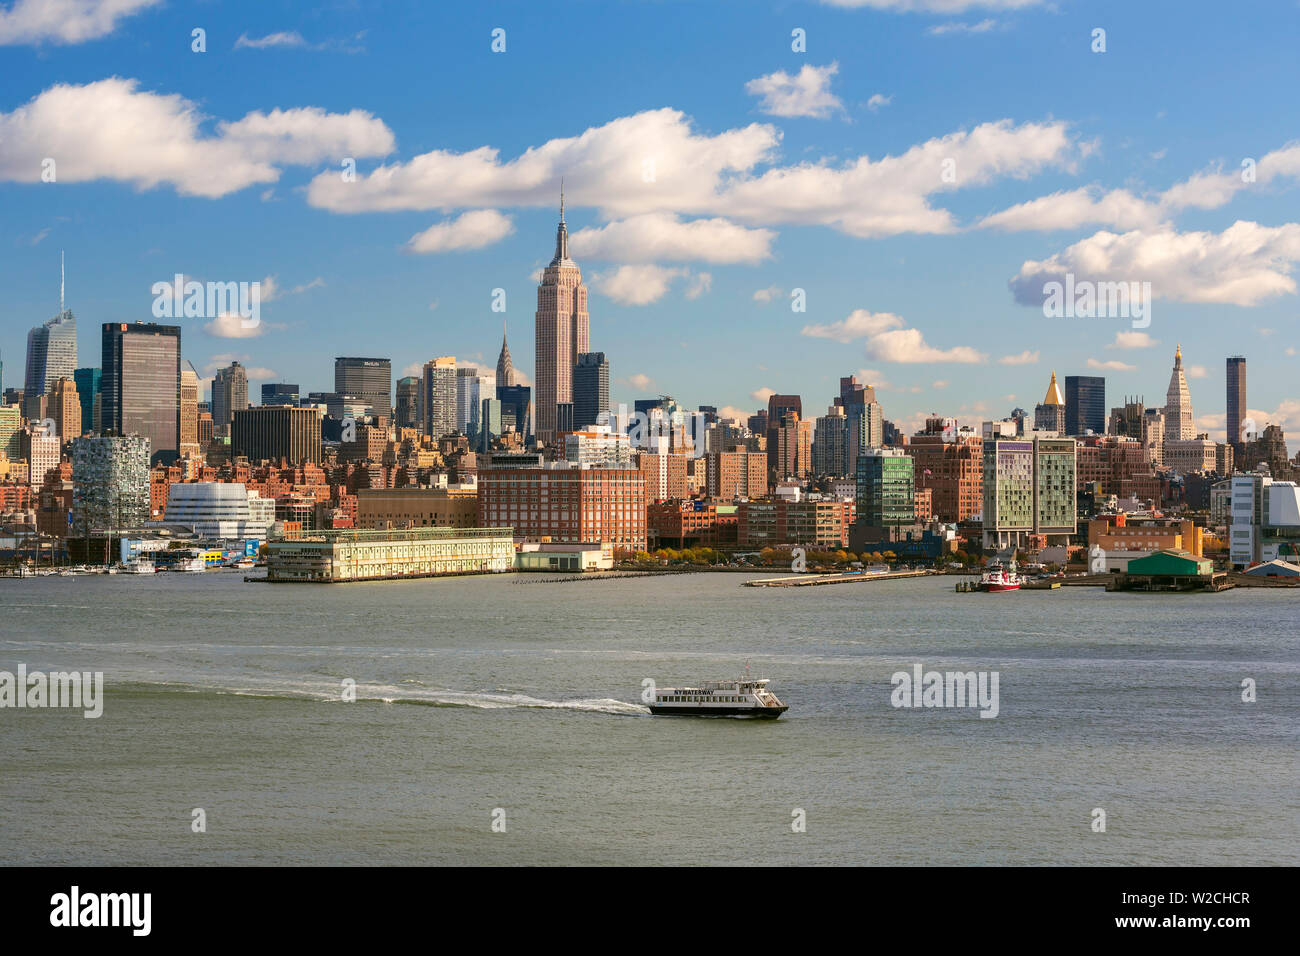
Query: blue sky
{"x": 769, "y": 169}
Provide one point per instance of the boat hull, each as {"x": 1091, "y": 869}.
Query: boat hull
{"x": 1001, "y": 587}
{"x": 770, "y": 713}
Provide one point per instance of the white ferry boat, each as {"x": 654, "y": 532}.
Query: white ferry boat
{"x": 726, "y": 698}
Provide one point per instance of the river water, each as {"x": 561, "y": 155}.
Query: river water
{"x": 498, "y": 720}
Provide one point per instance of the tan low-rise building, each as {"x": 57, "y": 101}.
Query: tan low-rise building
{"x": 382, "y": 509}
{"x": 1128, "y": 534}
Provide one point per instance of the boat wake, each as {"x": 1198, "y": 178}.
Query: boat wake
{"x": 330, "y": 692}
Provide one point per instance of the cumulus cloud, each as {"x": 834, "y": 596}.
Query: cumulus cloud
{"x": 909, "y": 346}
{"x": 764, "y": 296}
{"x": 1245, "y": 264}
{"x": 1023, "y": 358}
{"x": 859, "y": 324}
{"x": 1111, "y": 366}
{"x": 888, "y": 340}
{"x": 1197, "y": 371}
{"x": 761, "y": 395}
{"x": 110, "y": 129}
{"x": 1132, "y": 340}
{"x": 688, "y": 173}
{"x": 470, "y": 230}
{"x": 808, "y": 93}
{"x": 1123, "y": 209}
{"x": 637, "y": 284}
{"x": 878, "y": 100}
{"x": 659, "y": 237}
{"x": 231, "y": 326}
{"x": 64, "y": 21}
{"x": 641, "y": 382}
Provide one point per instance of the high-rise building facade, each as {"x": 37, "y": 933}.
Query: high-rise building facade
{"x": 64, "y": 406}
{"x": 438, "y": 396}
{"x": 590, "y": 389}
{"x": 88, "y": 388}
{"x": 406, "y": 412}
{"x": 51, "y": 354}
{"x": 110, "y": 477}
{"x": 830, "y": 448}
{"x": 563, "y": 333}
{"x": 885, "y": 485}
{"x": 1085, "y": 405}
{"x": 1236, "y": 406}
{"x": 280, "y": 393}
{"x": 516, "y": 408}
{"x": 736, "y": 474}
{"x": 189, "y": 422}
{"x": 369, "y": 379}
{"x": 1029, "y": 489}
{"x": 1179, "y": 424}
{"x": 1049, "y": 414}
{"x": 473, "y": 384}
{"x": 566, "y": 503}
{"x": 141, "y": 384}
{"x": 229, "y": 394}
{"x": 952, "y": 471}
{"x": 275, "y": 433}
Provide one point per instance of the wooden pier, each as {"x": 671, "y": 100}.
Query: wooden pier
{"x": 810, "y": 580}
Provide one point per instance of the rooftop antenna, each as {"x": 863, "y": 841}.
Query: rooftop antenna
{"x": 561, "y": 199}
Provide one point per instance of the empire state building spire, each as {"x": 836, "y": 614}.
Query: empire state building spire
{"x": 561, "y": 234}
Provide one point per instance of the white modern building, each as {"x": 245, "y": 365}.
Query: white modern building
{"x": 215, "y": 509}
{"x": 1265, "y": 520}
{"x": 598, "y": 447}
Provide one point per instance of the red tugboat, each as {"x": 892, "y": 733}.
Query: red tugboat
{"x": 999, "y": 579}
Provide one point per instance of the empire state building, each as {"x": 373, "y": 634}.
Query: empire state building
{"x": 563, "y": 333}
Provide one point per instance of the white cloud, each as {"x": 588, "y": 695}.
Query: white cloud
{"x": 731, "y": 413}
{"x": 232, "y": 326}
{"x": 761, "y": 395}
{"x": 1111, "y": 366}
{"x": 879, "y": 100}
{"x": 695, "y": 174}
{"x": 1243, "y": 265}
{"x": 1197, "y": 371}
{"x": 939, "y": 384}
{"x": 699, "y": 285}
{"x": 64, "y": 21}
{"x": 888, "y": 340}
{"x": 642, "y": 383}
{"x": 1024, "y": 358}
{"x": 1132, "y": 340}
{"x": 291, "y": 38}
{"x": 935, "y": 6}
{"x": 470, "y": 230}
{"x": 659, "y": 237}
{"x": 111, "y": 130}
{"x": 637, "y": 284}
{"x": 859, "y": 324}
{"x": 957, "y": 26}
{"x": 806, "y": 94}
{"x": 909, "y": 346}
{"x": 764, "y": 296}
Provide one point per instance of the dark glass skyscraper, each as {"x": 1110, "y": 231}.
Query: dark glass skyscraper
{"x": 370, "y": 379}
{"x": 141, "y": 384}
{"x": 88, "y": 387}
{"x": 590, "y": 389}
{"x": 1085, "y": 404}
{"x": 1236, "y": 398}
{"x": 280, "y": 393}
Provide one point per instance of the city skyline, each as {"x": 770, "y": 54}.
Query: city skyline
{"x": 680, "y": 271}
